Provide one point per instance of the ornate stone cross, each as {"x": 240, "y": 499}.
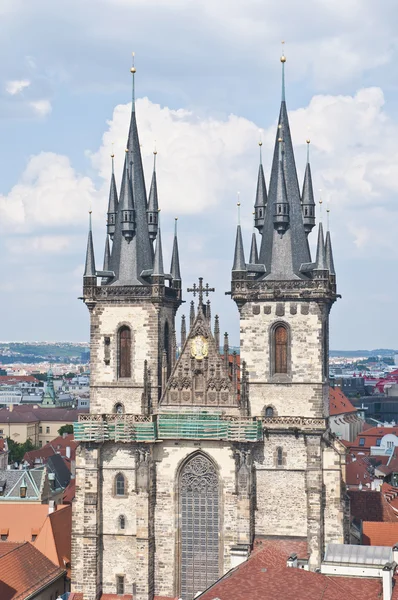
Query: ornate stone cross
{"x": 200, "y": 290}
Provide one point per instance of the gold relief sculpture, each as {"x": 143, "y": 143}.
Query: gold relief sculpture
{"x": 199, "y": 347}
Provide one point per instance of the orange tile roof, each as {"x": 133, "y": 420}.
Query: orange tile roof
{"x": 379, "y": 534}
{"x": 24, "y": 570}
{"x": 339, "y": 403}
{"x": 265, "y": 576}
{"x": 53, "y": 530}
{"x": 371, "y": 506}
{"x": 69, "y": 492}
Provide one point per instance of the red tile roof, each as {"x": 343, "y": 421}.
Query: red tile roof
{"x": 56, "y": 446}
{"x": 339, "y": 403}
{"x": 265, "y": 576}
{"x": 9, "y": 379}
{"x": 359, "y": 470}
{"x": 69, "y": 492}
{"x": 24, "y": 570}
{"x": 371, "y": 506}
{"x": 379, "y": 534}
{"x": 371, "y": 436}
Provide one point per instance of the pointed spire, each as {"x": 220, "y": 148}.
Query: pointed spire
{"x": 328, "y": 250}
{"x": 158, "y": 262}
{"x": 260, "y": 204}
{"x": 239, "y": 257}
{"x": 107, "y": 254}
{"x": 307, "y": 197}
{"x": 112, "y": 203}
{"x": 208, "y": 310}
{"x": 253, "y": 250}
{"x": 320, "y": 262}
{"x": 183, "y": 330}
{"x": 153, "y": 205}
{"x": 226, "y": 352}
{"x": 283, "y": 256}
{"x": 175, "y": 259}
{"x": 89, "y": 270}
{"x": 217, "y": 332}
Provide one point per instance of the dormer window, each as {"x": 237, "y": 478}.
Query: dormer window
{"x": 23, "y": 489}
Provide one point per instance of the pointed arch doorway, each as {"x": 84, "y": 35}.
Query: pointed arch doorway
{"x": 199, "y": 509}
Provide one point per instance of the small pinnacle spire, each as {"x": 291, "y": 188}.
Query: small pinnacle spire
{"x": 253, "y": 250}
{"x": 239, "y": 257}
{"x": 283, "y": 60}
{"x": 320, "y": 263}
{"x": 133, "y": 71}
{"x": 307, "y": 197}
{"x": 107, "y": 254}
{"x": 89, "y": 270}
{"x": 153, "y": 203}
{"x": 175, "y": 259}
{"x": 281, "y": 204}
{"x": 328, "y": 248}
{"x": 217, "y": 332}
{"x": 191, "y": 314}
{"x": 183, "y": 330}
{"x": 158, "y": 261}
{"x": 112, "y": 203}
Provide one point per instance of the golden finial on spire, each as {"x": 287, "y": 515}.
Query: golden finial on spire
{"x": 126, "y": 150}
{"x": 308, "y": 141}
{"x": 283, "y": 57}
{"x": 133, "y": 69}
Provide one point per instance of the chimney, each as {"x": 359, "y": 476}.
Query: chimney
{"x": 64, "y": 435}
{"x": 67, "y": 451}
{"x": 52, "y": 507}
{"x": 292, "y": 561}
{"x": 395, "y": 552}
{"x": 386, "y": 576}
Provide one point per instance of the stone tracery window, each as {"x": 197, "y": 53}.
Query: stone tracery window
{"x": 280, "y": 340}
{"x": 120, "y": 485}
{"x": 200, "y": 525}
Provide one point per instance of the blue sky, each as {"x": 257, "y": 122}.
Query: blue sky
{"x": 208, "y": 79}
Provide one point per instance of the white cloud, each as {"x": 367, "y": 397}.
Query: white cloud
{"x": 16, "y": 86}
{"x": 41, "y": 107}
{"x": 50, "y": 194}
{"x": 44, "y": 244}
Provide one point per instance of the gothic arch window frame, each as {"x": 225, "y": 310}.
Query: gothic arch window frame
{"x": 178, "y": 517}
{"x": 284, "y": 377}
{"x": 268, "y": 408}
{"x": 115, "y": 486}
{"x": 280, "y": 457}
{"x": 116, "y": 407}
{"x": 167, "y": 345}
{"x": 122, "y": 326}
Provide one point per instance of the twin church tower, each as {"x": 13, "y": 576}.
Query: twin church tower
{"x": 185, "y": 461}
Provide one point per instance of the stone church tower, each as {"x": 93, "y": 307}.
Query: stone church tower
{"x": 184, "y": 461}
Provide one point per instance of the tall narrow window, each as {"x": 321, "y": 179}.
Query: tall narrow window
{"x": 124, "y": 352}
{"x": 279, "y": 457}
{"x": 120, "y": 585}
{"x": 166, "y": 345}
{"x": 280, "y": 335}
{"x": 120, "y": 485}
{"x": 122, "y": 522}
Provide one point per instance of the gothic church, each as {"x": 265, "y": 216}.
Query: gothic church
{"x": 185, "y": 460}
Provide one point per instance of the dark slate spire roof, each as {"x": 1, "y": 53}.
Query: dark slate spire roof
{"x": 329, "y": 254}
{"x": 153, "y": 205}
{"x": 239, "y": 257}
{"x": 158, "y": 262}
{"x": 307, "y": 197}
{"x": 107, "y": 254}
{"x": 284, "y": 255}
{"x": 175, "y": 259}
{"x": 253, "y": 251}
{"x": 261, "y": 197}
{"x": 112, "y": 204}
{"x": 320, "y": 261}
{"x": 89, "y": 270}
{"x": 144, "y": 246}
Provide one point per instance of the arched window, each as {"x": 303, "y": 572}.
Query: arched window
{"x": 120, "y": 485}
{"x": 124, "y": 352}
{"x": 118, "y": 408}
{"x": 279, "y": 457}
{"x": 200, "y": 525}
{"x": 269, "y": 411}
{"x": 280, "y": 349}
{"x": 166, "y": 345}
{"x": 122, "y": 522}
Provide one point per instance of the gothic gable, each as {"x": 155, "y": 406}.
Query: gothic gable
{"x": 200, "y": 376}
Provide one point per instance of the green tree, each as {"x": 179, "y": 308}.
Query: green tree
{"x": 17, "y": 451}
{"x": 65, "y": 429}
